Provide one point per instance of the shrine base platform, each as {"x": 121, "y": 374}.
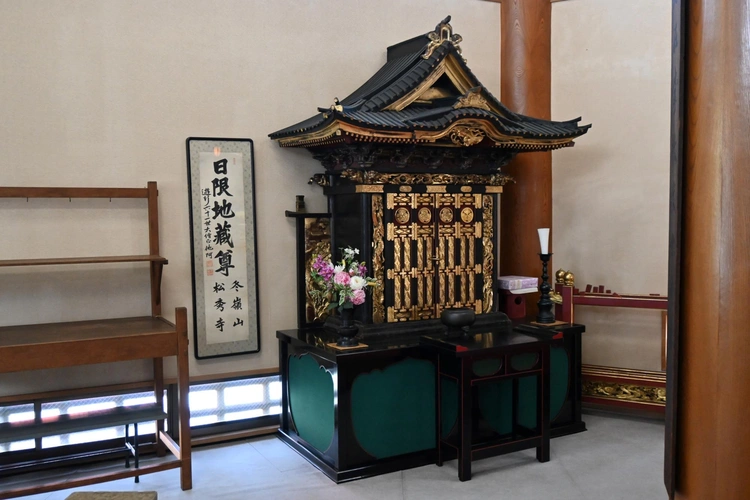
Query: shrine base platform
{"x": 370, "y": 411}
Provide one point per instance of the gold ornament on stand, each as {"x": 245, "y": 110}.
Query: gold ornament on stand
{"x": 569, "y": 278}
{"x": 560, "y": 276}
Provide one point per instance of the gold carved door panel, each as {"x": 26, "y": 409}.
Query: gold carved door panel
{"x": 434, "y": 254}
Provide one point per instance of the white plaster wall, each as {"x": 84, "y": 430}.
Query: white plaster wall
{"x": 104, "y": 93}
{"x": 611, "y": 65}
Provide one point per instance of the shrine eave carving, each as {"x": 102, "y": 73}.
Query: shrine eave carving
{"x": 466, "y": 131}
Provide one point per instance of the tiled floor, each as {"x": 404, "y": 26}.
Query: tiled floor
{"x": 616, "y": 459}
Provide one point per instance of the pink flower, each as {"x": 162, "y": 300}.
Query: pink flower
{"x": 323, "y": 268}
{"x": 341, "y": 278}
{"x": 358, "y": 297}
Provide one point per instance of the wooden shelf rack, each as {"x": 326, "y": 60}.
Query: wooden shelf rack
{"x": 57, "y": 345}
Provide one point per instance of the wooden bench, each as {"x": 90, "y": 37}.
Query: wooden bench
{"x": 57, "y": 345}
{"x": 86, "y": 421}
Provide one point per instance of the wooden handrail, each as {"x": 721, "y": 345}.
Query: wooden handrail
{"x": 642, "y": 302}
{"x": 72, "y": 192}
{"x": 83, "y": 260}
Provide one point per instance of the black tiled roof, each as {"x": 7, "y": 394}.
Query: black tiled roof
{"x": 404, "y": 71}
{"x": 390, "y": 71}
{"x": 419, "y": 118}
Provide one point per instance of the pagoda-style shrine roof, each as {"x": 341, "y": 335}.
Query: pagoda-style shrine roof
{"x": 425, "y": 94}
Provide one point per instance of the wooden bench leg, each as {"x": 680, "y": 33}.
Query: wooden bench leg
{"x": 137, "y": 478}
{"x": 127, "y": 445}
{"x": 183, "y": 389}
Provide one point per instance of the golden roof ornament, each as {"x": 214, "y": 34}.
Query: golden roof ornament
{"x": 443, "y": 33}
{"x": 336, "y": 106}
{"x": 473, "y": 99}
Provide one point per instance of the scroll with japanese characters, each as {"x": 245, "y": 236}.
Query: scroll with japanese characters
{"x": 224, "y": 262}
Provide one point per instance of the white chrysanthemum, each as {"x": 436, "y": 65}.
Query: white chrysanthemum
{"x": 357, "y": 283}
{"x": 337, "y": 269}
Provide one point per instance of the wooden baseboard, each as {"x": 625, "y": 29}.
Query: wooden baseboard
{"x": 641, "y": 390}
{"x": 231, "y": 436}
{"x": 220, "y": 377}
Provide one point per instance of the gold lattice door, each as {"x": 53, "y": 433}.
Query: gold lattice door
{"x": 434, "y": 254}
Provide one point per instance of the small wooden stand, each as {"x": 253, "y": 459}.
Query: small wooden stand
{"x": 337, "y": 347}
{"x": 556, "y": 323}
{"x": 514, "y": 305}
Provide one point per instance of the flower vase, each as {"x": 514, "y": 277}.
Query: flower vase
{"x": 347, "y": 330}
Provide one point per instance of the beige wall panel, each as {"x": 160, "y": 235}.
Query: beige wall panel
{"x": 611, "y": 65}
{"x": 105, "y": 94}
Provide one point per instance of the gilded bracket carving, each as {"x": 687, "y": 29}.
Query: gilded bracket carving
{"x": 488, "y": 266}
{"x": 378, "y": 259}
{"x": 625, "y": 392}
{"x": 372, "y": 177}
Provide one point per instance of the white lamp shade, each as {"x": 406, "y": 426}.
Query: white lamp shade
{"x": 544, "y": 239}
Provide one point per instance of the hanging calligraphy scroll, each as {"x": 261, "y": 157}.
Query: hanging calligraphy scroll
{"x": 222, "y": 231}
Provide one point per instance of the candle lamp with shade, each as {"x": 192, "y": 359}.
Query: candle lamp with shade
{"x": 545, "y": 304}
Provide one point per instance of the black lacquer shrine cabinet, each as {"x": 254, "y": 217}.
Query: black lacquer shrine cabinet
{"x": 412, "y": 171}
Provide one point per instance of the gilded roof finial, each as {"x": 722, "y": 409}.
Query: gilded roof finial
{"x": 443, "y": 32}
{"x": 336, "y": 106}
{"x": 472, "y": 99}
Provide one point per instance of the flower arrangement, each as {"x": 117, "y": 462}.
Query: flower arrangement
{"x": 343, "y": 283}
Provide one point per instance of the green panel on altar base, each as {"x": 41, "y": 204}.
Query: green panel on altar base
{"x": 496, "y": 405}
{"x": 495, "y": 399}
{"x": 527, "y": 401}
{"x": 311, "y": 401}
{"x": 559, "y": 367}
{"x": 393, "y": 410}
{"x": 486, "y": 367}
{"x": 450, "y": 404}
{"x": 524, "y": 361}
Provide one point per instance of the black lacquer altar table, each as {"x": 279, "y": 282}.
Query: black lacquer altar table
{"x": 359, "y": 413}
{"x": 490, "y": 357}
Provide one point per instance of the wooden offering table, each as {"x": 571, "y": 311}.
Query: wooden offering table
{"x": 472, "y": 360}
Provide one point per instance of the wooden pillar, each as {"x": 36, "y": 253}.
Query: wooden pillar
{"x": 712, "y": 432}
{"x": 525, "y": 88}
